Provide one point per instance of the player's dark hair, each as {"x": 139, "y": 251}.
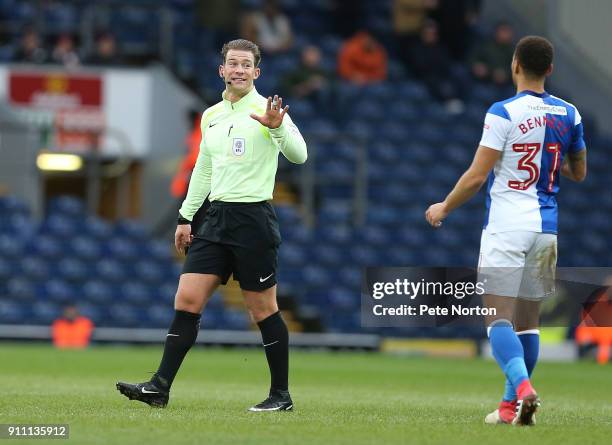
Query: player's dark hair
{"x": 535, "y": 55}
{"x": 242, "y": 45}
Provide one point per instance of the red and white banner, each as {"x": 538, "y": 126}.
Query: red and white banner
{"x": 74, "y": 100}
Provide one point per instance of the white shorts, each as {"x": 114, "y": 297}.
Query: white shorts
{"x": 518, "y": 264}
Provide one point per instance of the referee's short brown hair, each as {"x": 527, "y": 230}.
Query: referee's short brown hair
{"x": 242, "y": 45}
{"x": 535, "y": 55}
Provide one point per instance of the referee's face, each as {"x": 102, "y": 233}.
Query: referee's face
{"x": 239, "y": 71}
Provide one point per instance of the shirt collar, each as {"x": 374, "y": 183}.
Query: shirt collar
{"x": 245, "y": 101}
{"x": 533, "y": 93}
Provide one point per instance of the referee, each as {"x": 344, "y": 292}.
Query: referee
{"x": 241, "y": 138}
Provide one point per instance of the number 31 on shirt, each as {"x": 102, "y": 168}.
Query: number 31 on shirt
{"x": 526, "y": 163}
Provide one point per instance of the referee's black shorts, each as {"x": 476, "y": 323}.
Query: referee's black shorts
{"x": 240, "y": 239}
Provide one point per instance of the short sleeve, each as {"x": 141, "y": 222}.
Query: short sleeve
{"x": 497, "y": 126}
{"x": 577, "y": 143}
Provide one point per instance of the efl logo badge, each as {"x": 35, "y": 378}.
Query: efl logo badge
{"x": 238, "y": 146}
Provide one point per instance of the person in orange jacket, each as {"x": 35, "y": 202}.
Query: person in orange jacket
{"x": 180, "y": 182}
{"x": 72, "y": 330}
{"x": 362, "y": 59}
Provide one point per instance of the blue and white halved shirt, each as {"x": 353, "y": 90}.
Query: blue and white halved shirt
{"x": 534, "y": 131}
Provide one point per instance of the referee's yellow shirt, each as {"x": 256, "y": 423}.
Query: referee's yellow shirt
{"x": 238, "y": 156}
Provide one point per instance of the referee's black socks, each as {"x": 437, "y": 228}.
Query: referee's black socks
{"x": 181, "y": 337}
{"x": 276, "y": 344}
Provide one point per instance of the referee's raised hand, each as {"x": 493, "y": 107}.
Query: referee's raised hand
{"x": 273, "y": 117}
{"x": 182, "y": 237}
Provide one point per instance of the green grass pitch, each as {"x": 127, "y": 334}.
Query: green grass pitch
{"x": 340, "y": 398}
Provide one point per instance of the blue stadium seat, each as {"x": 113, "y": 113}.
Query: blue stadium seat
{"x": 7, "y": 270}
{"x": 18, "y": 224}
{"x": 366, "y": 255}
{"x": 360, "y": 128}
{"x": 212, "y": 319}
{"x": 159, "y": 316}
{"x": 10, "y": 205}
{"x": 402, "y": 256}
{"x": 375, "y": 236}
{"x": 149, "y": 272}
{"x": 35, "y": 268}
{"x": 57, "y": 290}
{"x": 382, "y": 214}
{"x": 371, "y": 110}
{"x": 338, "y": 234}
{"x": 135, "y": 292}
{"x": 344, "y": 300}
{"x": 122, "y": 248}
{"x": 320, "y": 127}
{"x": 12, "y": 312}
{"x": 292, "y": 254}
{"x": 98, "y": 292}
{"x": 459, "y": 154}
{"x": 134, "y": 230}
{"x": 97, "y": 228}
{"x": 60, "y": 226}
{"x": 161, "y": 251}
{"x": 349, "y": 277}
{"x": 66, "y": 206}
{"x": 287, "y": 214}
{"x": 331, "y": 256}
{"x": 338, "y": 169}
{"x": 85, "y": 247}
{"x": 10, "y": 247}
{"x": 298, "y": 233}
{"x": 47, "y": 246}
{"x": 164, "y": 294}
{"x": 125, "y": 315}
{"x": 20, "y": 288}
{"x": 236, "y": 319}
{"x": 111, "y": 270}
{"x": 411, "y": 91}
{"x": 44, "y": 313}
{"x": 384, "y": 151}
{"x": 73, "y": 270}
{"x": 403, "y": 111}
{"x": 316, "y": 276}
{"x": 335, "y": 211}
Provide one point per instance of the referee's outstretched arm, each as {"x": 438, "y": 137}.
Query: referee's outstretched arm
{"x": 284, "y": 132}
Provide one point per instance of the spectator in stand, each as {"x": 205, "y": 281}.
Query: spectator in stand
{"x": 432, "y": 63}
{"x": 30, "y": 49}
{"x": 456, "y": 20}
{"x": 362, "y": 59}
{"x": 71, "y": 330}
{"x": 347, "y": 16}
{"x": 217, "y": 20}
{"x": 64, "y": 53}
{"x": 491, "y": 59}
{"x": 408, "y": 19}
{"x": 106, "y": 51}
{"x": 310, "y": 80}
{"x": 269, "y": 28}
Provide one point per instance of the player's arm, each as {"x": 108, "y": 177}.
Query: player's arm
{"x": 199, "y": 185}
{"x": 467, "y": 186}
{"x": 199, "y": 188}
{"x": 290, "y": 142}
{"x": 575, "y": 166}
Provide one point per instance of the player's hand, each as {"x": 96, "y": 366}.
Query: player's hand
{"x": 436, "y": 213}
{"x": 182, "y": 237}
{"x": 273, "y": 117}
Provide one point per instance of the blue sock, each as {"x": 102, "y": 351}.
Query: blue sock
{"x": 531, "y": 347}
{"x": 508, "y": 351}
